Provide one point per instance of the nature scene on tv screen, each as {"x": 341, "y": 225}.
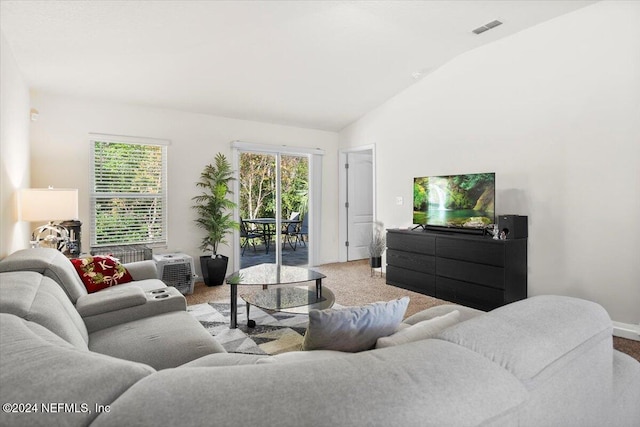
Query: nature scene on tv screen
{"x": 455, "y": 200}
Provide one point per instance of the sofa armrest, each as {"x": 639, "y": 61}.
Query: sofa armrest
{"x": 141, "y": 270}
{"x": 156, "y": 302}
{"x": 535, "y": 337}
{"x": 112, "y": 299}
{"x": 626, "y": 389}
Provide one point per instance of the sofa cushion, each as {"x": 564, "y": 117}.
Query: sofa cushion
{"x": 36, "y": 366}
{"x": 163, "y": 341}
{"x": 424, "y": 383}
{"x": 526, "y": 348}
{"x": 420, "y": 331}
{"x": 353, "y": 328}
{"x": 100, "y": 272}
{"x": 50, "y": 263}
{"x": 141, "y": 270}
{"x": 39, "y": 299}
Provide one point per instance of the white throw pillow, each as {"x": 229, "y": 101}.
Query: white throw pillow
{"x": 302, "y": 356}
{"x": 420, "y": 331}
{"x": 466, "y": 313}
{"x": 353, "y": 329}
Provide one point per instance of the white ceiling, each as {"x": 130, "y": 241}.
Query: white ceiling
{"x": 313, "y": 64}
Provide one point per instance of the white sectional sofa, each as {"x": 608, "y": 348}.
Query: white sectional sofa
{"x": 543, "y": 361}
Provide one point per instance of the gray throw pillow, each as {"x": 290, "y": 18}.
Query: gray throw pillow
{"x": 353, "y": 329}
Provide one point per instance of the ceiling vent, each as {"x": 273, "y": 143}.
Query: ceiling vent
{"x": 487, "y": 27}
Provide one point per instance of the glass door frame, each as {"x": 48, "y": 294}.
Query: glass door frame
{"x": 314, "y": 156}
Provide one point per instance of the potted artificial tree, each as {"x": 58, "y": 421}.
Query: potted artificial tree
{"x": 215, "y": 212}
{"x": 377, "y": 245}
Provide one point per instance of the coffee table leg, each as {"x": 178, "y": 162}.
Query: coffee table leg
{"x": 250, "y": 323}
{"x": 234, "y": 307}
{"x": 318, "y": 289}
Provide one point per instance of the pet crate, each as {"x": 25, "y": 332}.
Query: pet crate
{"x": 124, "y": 253}
{"x": 176, "y": 270}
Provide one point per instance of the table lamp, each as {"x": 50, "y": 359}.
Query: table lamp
{"x": 48, "y": 204}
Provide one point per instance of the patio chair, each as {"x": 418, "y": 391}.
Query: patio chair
{"x": 248, "y": 236}
{"x": 290, "y": 232}
{"x": 304, "y": 230}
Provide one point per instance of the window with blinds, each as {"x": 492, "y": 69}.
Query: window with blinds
{"x": 129, "y": 193}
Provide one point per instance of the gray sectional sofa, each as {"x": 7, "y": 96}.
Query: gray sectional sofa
{"x": 543, "y": 361}
{"x": 142, "y": 321}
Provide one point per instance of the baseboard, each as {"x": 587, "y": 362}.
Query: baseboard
{"x": 626, "y": 330}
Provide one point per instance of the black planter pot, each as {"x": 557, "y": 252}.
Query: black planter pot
{"x": 375, "y": 262}
{"x": 214, "y": 269}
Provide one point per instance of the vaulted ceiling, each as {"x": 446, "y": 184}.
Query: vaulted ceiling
{"x": 313, "y": 64}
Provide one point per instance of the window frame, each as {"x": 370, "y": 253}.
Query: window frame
{"x": 162, "y": 241}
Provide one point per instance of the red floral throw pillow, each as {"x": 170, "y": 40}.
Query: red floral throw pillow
{"x": 100, "y": 272}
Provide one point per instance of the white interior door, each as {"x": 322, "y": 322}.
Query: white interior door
{"x": 359, "y": 204}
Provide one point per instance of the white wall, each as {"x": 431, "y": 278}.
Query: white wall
{"x": 60, "y": 156}
{"x": 14, "y": 150}
{"x": 555, "y": 112}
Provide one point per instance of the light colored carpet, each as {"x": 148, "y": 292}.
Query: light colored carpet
{"x": 352, "y": 284}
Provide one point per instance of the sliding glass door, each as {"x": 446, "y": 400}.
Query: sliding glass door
{"x": 273, "y": 194}
{"x": 257, "y": 177}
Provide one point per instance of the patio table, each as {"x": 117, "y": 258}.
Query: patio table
{"x": 266, "y": 227}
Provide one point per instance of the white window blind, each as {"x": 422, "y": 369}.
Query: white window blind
{"x": 129, "y": 192}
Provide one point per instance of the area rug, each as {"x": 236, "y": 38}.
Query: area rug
{"x": 274, "y": 333}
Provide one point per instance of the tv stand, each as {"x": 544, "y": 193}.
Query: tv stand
{"x": 420, "y": 226}
{"x": 469, "y": 269}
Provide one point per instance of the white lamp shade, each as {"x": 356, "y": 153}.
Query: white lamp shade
{"x": 47, "y": 204}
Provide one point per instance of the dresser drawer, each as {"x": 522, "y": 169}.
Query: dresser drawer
{"x": 476, "y": 296}
{"x": 487, "y": 252}
{"x": 411, "y": 261}
{"x": 481, "y": 274}
{"x": 414, "y": 242}
{"x": 412, "y": 280}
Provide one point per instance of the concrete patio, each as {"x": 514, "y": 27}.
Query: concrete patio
{"x": 297, "y": 257}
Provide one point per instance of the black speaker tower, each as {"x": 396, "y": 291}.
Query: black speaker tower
{"x": 513, "y": 226}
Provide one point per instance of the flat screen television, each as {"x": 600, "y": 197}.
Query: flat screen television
{"x": 460, "y": 201}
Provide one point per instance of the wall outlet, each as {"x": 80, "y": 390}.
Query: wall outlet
{"x": 399, "y": 201}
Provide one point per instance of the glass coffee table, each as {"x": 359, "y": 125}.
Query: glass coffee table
{"x": 297, "y": 299}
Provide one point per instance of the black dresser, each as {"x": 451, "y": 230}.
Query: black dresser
{"x": 468, "y": 269}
